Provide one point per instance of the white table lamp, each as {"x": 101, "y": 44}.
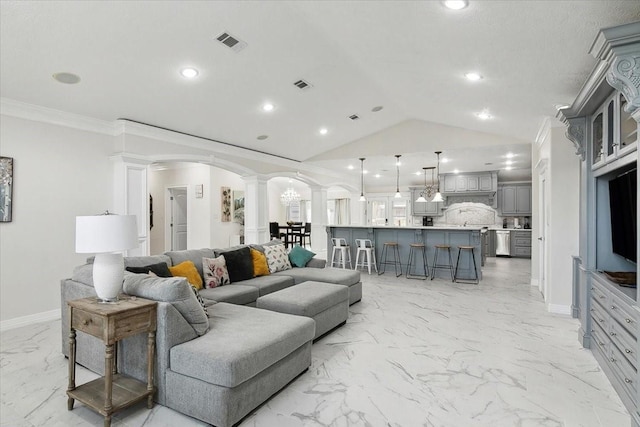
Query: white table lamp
{"x": 103, "y": 235}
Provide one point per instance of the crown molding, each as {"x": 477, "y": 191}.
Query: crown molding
{"x": 22, "y": 110}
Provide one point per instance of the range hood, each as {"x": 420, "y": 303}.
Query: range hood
{"x": 486, "y": 198}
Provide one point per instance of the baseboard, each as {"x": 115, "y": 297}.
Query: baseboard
{"x": 559, "y": 309}
{"x": 45, "y": 316}
{"x": 534, "y": 282}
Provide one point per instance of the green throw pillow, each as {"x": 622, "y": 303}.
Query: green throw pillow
{"x": 300, "y": 256}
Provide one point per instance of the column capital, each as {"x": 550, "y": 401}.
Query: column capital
{"x": 256, "y": 178}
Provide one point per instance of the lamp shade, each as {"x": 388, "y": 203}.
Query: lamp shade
{"x": 106, "y": 233}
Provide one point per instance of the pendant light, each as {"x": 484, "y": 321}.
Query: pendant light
{"x": 422, "y": 199}
{"x": 438, "y": 196}
{"x": 362, "y": 198}
{"x": 398, "y": 195}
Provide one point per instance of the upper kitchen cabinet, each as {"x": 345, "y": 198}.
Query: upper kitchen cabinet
{"x": 424, "y": 208}
{"x": 515, "y": 200}
{"x": 614, "y": 132}
{"x": 478, "y": 182}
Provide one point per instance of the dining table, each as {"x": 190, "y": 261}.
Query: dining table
{"x": 293, "y": 233}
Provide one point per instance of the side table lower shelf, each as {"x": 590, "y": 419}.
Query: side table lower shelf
{"x": 126, "y": 392}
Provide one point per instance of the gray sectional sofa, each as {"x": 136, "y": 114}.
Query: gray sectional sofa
{"x": 219, "y": 367}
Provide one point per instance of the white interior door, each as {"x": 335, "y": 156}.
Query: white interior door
{"x": 178, "y": 219}
{"x": 542, "y": 272}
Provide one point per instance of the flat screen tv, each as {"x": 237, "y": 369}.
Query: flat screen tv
{"x": 623, "y": 196}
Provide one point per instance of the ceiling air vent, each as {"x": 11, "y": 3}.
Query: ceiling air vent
{"x": 354, "y": 117}
{"x": 231, "y": 42}
{"x": 301, "y": 84}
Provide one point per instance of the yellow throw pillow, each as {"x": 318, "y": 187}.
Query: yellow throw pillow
{"x": 260, "y": 266}
{"x": 188, "y": 269}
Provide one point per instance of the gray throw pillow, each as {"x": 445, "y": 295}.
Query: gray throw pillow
{"x": 174, "y": 290}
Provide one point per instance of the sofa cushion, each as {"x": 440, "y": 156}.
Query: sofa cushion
{"x": 160, "y": 269}
{"x": 194, "y": 255}
{"x": 187, "y": 269}
{"x": 306, "y": 299}
{"x": 260, "y": 266}
{"x": 242, "y": 342}
{"x": 233, "y": 294}
{"x": 239, "y": 263}
{"x": 277, "y": 258}
{"x": 338, "y": 276}
{"x": 300, "y": 256}
{"x": 175, "y": 290}
{"x": 215, "y": 272}
{"x": 141, "y": 261}
{"x": 268, "y": 284}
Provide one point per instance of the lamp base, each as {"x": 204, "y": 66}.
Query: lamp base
{"x": 108, "y": 274}
{"x": 107, "y": 301}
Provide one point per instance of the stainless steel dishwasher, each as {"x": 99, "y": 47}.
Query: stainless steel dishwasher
{"x": 503, "y": 243}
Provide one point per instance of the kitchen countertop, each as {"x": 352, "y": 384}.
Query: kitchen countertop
{"x": 510, "y": 229}
{"x": 413, "y": 227}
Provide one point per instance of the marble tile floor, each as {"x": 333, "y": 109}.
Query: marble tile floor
{"x": 413, "y": 353}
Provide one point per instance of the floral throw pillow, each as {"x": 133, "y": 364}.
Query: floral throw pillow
{"x": 215, "y": 272}
{"x": 277, "y": 258}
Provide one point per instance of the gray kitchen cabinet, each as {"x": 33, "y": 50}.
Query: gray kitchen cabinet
{"x": 473, "y": 182}
{"x": 424, "y": 208}
{"x": 491, "y": 251}
{"x": 515, "y": 200}
{"x": 521, "y": 244}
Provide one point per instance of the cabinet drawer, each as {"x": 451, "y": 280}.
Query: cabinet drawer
{"x": 599, "y": 316}
{"x": 522, "y": 235}
{"x": 522, "y": 251}
{"x": 625, "y": 342}
{"x": 598, "y": 293}
{"x": 87, "y": 322}
{"x": 624, "y": 314}
{"x": 599, "y": 337}
{"x": 133, "y": 324}
{"x": 523, "y": 241}
{"x": 624, "y": 371}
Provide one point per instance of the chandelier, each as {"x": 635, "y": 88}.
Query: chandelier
{"x": 289, "y": 196}
{"x": 432, "y": 190}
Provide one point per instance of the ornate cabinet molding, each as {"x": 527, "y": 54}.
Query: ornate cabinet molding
{"x": 575, "y": 133}
{"x": 624, "y": 75}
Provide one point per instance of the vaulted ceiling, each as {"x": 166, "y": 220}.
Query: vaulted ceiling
{"x": 408, "y": 57}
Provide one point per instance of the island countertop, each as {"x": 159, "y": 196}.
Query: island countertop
{"x": 404, "y": 236}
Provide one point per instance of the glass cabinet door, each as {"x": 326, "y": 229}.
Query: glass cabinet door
{"x": 596, "y": 131}
{"x": 628, "y": 127}
{"x": 609, "y": 141}
{"x": 400, "y": 212}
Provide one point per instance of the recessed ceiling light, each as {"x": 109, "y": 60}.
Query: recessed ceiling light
{"x": 376, "y": 109}
{"x": 418, "y": 173}
{"x": 268, "y": 107}
{"x": 484, "y": 115}
{"x": 377, "y": 175}
{"x": 508, "y": 168}
{"x": 350, "y": 167}
{"x": 444, "y": 160}
{"x": 324, "y": 131}
{"x": 474, "y": 77}
{"x": 508, "y": 162}
{"x": 365, "y": 171}
{"x": 456, "y": 4}
{"x": 456, "y": 171}
{"x": 189, "y": 73}
{"x": 509, "y": 155}
{"x": 262, "y": 137}
{"x": 67, "y": 78}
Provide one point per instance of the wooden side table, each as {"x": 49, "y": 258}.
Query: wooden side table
{"x": 111, "y": 323}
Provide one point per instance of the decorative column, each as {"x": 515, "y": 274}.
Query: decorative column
{"x": 256, "y": 209}
{"x": 318, "y": 218}
{"x": 131, "y": 195}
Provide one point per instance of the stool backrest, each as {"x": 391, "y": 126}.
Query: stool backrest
{"x": 364, "y": 243}
{"x": 338, "y": 241}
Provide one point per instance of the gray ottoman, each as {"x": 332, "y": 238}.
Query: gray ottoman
{"x": 325, "y": 303}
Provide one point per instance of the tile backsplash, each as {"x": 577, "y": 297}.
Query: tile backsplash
{"x": 471, "y": 214}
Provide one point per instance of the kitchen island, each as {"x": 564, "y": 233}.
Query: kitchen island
{"x": 430, "y": 236}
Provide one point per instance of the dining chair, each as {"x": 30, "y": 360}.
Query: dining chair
{"x": 274, "y": 230}
{"x": 306, "y": 235}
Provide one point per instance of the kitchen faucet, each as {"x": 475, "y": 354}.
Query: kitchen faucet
{"x": 465, "y": 224}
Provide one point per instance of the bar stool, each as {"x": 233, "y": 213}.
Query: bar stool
{"x": 384, "y": 258}
{"x": 435, "y": 265}
{"x": 473, "y": 257}
{"x": 343, "y": 251}
{"x": 413, "y": 248}
{"x": 365, "y": 246}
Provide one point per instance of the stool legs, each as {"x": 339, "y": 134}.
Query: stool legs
{"x": 475, "y": 280}
{"x": 412, "y": 256}
{"x": 384, "y": 260}
{"x": 367, "y": 256}
{"x": 435, "y": 264}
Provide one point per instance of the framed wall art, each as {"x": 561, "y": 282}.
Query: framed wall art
{"x": 238, "y": 207}
{"x": 6, "y": 188}
{"x": 225, "y": 204}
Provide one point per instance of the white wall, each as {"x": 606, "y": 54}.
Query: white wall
{"x": 59, "y": 173}
{"x": 222, "y": 231}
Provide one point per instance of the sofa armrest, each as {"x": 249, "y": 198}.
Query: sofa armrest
{"x": 317, "y": 263}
